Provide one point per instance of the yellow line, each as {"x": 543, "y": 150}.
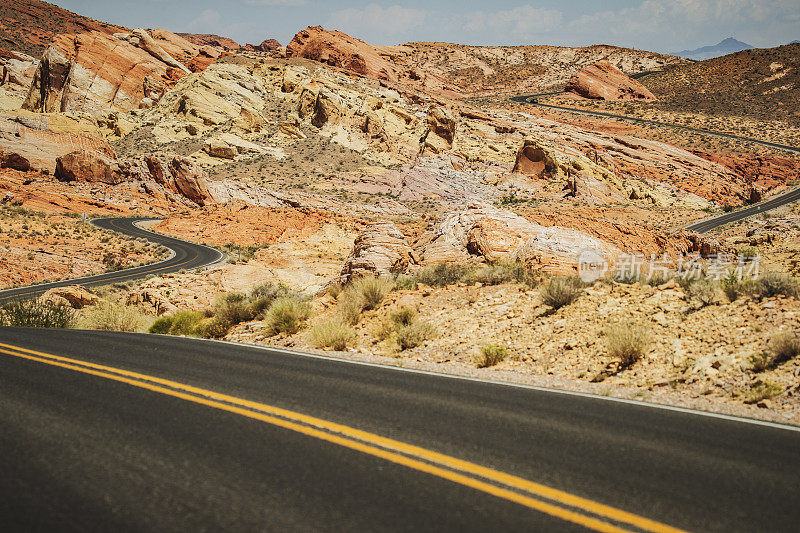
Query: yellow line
{"x": 346, "y": 434}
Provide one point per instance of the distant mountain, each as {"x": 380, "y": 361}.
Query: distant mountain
{"x": 728, "y": 46}
{"x": 794, "y": 42}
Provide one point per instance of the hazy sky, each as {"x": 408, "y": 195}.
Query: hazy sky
{"x": 658, "y": 25}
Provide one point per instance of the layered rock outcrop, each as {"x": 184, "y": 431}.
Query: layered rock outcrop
{"x": 379, "y": 250}
{"x": 604, "y": 81}
{"x": 338, "y": 49}
{"x": 495, "y": 234}
{"x": 98, "y": 72}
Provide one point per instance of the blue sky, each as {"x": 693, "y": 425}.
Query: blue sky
{"x": 658, "y": 25}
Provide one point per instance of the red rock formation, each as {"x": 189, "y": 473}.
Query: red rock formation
{"x": 604, "y": 81}
{"x": 340, "y": 50}
{"x": 83, "y": 165}
{"x": 208, "y": 39}
{"x": 100, "y": 72}
{"x": 762, "y": 173}
{"x": 268, "y": 45}
{"x": 188, "y": 179}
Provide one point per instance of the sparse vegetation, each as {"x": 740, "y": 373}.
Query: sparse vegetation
{"x": 782, "y": 347}
{"x": 491, "y": 355}
{"x": 762, "y": 390}
{"x": 36, "y": 313}
{"x": 110, "y": 315}
{"x": 335, "y": 334}
{"x": 286, "y": 315}
{"x": 704, "y": 292}
{"x": 627, "y": 341}
{"x": 561, "y": 291}
{"x": 414, "y": 334}
{"x": 444, "y": 274}
{"x": 773, "y": 284}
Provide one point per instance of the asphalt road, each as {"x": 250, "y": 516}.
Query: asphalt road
{"x": 175, "y": 434}
{"x": 709, "y": 224}
{"x": 185, "y": 255}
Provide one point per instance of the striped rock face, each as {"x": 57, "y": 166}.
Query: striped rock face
{"x": 483, "y": 231}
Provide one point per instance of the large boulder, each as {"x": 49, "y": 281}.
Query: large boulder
{"x": 379, "y": 250}
{"x": 84, "y": 165}
{"x": 38, "y": 148}
{"x": 604, "y": 81}
{"x": 327, "y": 108}
{"x": 75, "y": 295}
{"x": 189, "y": 180}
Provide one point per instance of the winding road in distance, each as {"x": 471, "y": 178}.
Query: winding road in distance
{"x": 185, "y": 255}
{"x": 706, "y": 225}
{"x": 118, "y": 431}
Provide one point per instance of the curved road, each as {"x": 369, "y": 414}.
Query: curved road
{"x": 185, "y": 255}
{"x": 105, "y": 431}
{"x": 706, "y": 225}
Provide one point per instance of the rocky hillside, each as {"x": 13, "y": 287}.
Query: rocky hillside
{"x": 759, "y": 83}
{"x": 28, "y": 26}
{"x": 458, "y": 70}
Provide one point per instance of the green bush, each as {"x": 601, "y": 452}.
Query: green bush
{"x": 212, "y": 328}
{"x": 335, "y": 334}
{"x": 627, "y": 341}
{"x": 185, "y": 323}
{"x": 161, "y": 326}
{"x": 443, "y": 274}
{"x": 36, "y": 314}
{"x": 492, "y": 355}
{"x": 561, "y": 291}
{"x": 414, "y": 334}
{"x": 286, "y": 315}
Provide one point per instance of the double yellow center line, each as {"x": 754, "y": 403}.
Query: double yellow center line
{"x": 556, "y": 503}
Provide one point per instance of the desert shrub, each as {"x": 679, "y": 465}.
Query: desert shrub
{"x": 185, "y": 323}
{"x": 349, "y": 306}
{"x": 775, "y": 284}
{"x": 704, "y": 292}
{"x": 734, "y": 288}
{"x": 443, "y": 274}
{"x": 762, "y": 390}
{"x": 628, "y": 278}
{"x": 403, "y": 316}
{"x": 212, "y": 328}
{"x": 561, "y": 291}
{"x": 414, "y": 334}
{"x": 372, "y": 291}
{"x": 262, "y": 296}
{"x": 161, "y": 326}
{"x": 113, "y": 316}
{"x": 403, "y": 282}
{"x": 36, "y": 314}
{"x": 782, "y": 347}
{"x": 627, "y": 341}
{"x": 335, "y": 334}
{"x": 491, "y": 355}
{"x": 748, "y": 252}
{"x": 233, "y": 308}
{"x": 286, "y": 315}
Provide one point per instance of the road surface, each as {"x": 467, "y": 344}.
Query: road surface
{"x": 115, "y": 431}
{"x": 185, "y": 255}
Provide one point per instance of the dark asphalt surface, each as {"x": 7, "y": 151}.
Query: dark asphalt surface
{"x": 186, "y": 256}
{"x": 709, "y": 224}
{"x": 80, "y": 452}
